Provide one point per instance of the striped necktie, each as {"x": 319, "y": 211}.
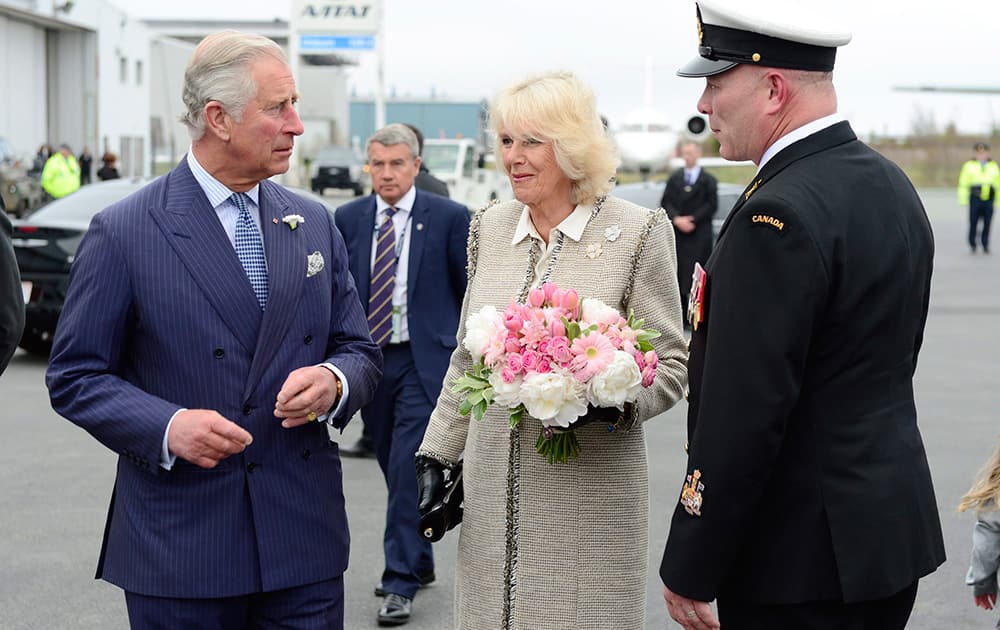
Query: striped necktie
{"x": 250, "y": 249}
{"x": 383, "y": 281}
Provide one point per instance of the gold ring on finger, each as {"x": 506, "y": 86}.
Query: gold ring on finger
{"x": 312, "y": 416}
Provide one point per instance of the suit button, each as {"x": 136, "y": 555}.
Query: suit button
{"x": 687, "y": 447}
{"x": 246, "y": 410}
{"x": 306, "y": 454}
{"x": 308, "y": 340}
{"x": 251, "y": 466}
{"x": 219, "y": 353}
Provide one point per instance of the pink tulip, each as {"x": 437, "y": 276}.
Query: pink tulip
{"x": 536, "y": 297}
{"x": 648, "y": 374}
{"x": 549, "y": 289}
{"x": 651, "y": 358}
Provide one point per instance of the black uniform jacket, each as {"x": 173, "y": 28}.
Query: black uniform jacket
{"x": 812, "y": 478}
{"x": 699, "y": 201}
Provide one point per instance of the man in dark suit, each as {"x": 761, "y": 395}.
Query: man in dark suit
{"x": 211, "y": 335}
{"x": 365, "y": 446}
{"x": 690, "y": 199}
{"x": 407, "y": 252}
{"x": 11, "y": 297}
{"x": 808, "y": 500}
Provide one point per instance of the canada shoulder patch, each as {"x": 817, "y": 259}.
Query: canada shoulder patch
{"x": 765, "y": 220}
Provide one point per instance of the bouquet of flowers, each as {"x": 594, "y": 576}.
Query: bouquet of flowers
{"x": 551, "y": 358}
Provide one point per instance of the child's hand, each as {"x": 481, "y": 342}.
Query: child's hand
{"x": 986, "y": 601}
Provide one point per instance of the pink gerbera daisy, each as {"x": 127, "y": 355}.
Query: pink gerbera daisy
{"x": 592, "y": 354}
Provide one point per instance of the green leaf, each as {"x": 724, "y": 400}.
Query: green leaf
{"x": 516, "y": 414}
{"x": 479, "y": 410}
{"x": 475, "y": 397}
{"x": 465, "y": 407}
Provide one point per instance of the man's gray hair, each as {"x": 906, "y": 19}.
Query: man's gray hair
{"x": 396, "y": 133}
{"x": 220, "y": 70}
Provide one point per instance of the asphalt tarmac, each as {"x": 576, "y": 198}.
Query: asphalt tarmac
{"x": 55, "y": 480}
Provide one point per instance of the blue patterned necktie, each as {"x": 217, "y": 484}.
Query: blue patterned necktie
{"x": 383, "y": 281}
{"x": 250, "y": 249}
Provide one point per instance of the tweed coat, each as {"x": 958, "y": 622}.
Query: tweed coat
{"x": 564, "y": 545}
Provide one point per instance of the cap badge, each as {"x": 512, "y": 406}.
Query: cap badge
{"x": 755, "y": 57}
{"x": 701, "y": 35}
{"x": 691, "y": 494}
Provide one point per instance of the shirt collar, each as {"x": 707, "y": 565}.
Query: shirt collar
{"x": 795, "y": 135}
{"x": 215, "y": 190}
{"x": 404, "y": 205}
{"x": 572, "y": 226}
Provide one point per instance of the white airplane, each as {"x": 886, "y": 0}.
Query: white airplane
{"x": 647, "y": 142}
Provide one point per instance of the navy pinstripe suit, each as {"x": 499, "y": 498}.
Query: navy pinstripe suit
{"x": 161, "y": 316}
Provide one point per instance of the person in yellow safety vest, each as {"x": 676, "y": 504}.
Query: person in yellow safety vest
{"x": 977, "y": 185}
{"x": 61, "y": 174}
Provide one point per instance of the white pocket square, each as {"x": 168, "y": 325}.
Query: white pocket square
{"x": 315, "y": 265}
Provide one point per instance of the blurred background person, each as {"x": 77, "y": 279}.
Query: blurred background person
{"x": 977, "y": 189}
{"x": 406, "y": 248}
{"x": 576, "y": 554}
{"x": 690, "y": 199}
{"x": 108, "y": 169}
{"x": 86, "y": 161}
{"x": 61, "y": 175}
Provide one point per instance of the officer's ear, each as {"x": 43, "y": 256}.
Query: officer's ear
{"x": 218, "y": 121}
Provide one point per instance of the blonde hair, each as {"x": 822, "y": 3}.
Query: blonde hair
{"x": 559, "y": 108}
{"x": 985, "y": 491}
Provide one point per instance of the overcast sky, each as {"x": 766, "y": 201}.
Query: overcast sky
{"x": 469, "y": 49}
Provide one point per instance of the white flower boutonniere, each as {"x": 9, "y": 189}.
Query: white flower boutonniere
{"x": 612, "y": 232}
{"x": 293, "y": 220}
{"x": 594, "y": 250}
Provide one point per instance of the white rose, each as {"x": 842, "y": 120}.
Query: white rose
{"x": 616, "y": 384}
{"x": 594, "y": 311}
{"x": 479, "y": 330}
{"x": 555, "y": 398}
{"x": 505, "y": 394}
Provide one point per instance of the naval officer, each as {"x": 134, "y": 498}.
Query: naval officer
{"x": 807, "y": 500}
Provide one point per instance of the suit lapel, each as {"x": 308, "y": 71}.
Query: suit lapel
{"x": 363, "y": 249}
{"x": 285, "y": 249}
{"x": 819, "y": 141}
{"x": 193, "y": 230}
{"x": 419, "y": 226}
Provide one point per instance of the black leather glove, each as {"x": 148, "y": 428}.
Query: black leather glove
{"x": 430, "y": 483}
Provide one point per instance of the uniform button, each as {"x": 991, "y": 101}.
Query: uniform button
{"x": 687, "y": 395}
{"x": 686, "y": 446}
{"x": 246, "y": 410}
{"x": 306, "y": 454}
{"x": 219, "y": 353}
{"x": 308, "y": 340}
{"x": 251, "y": 466}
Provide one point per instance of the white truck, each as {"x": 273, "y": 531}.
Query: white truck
{"x": 459, "y": 164}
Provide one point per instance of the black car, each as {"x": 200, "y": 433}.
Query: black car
{"x": 338, "y": 167}
{"x": 45, "y": 244}
{"x": 648, "y": 195}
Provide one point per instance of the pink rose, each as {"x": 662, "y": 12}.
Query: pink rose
{"x": 515, "y": 363}
{"x": 559, "y": 349}
{"x": 507, "y": 375}
{"x": 543, "y": 346}
{"x": 512, "y": 344}
{"x": 543, "y": 367}
{"x": 530, "y": 360}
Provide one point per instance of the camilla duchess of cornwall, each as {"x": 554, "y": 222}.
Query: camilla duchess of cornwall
{"x": 558, "y": 545}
